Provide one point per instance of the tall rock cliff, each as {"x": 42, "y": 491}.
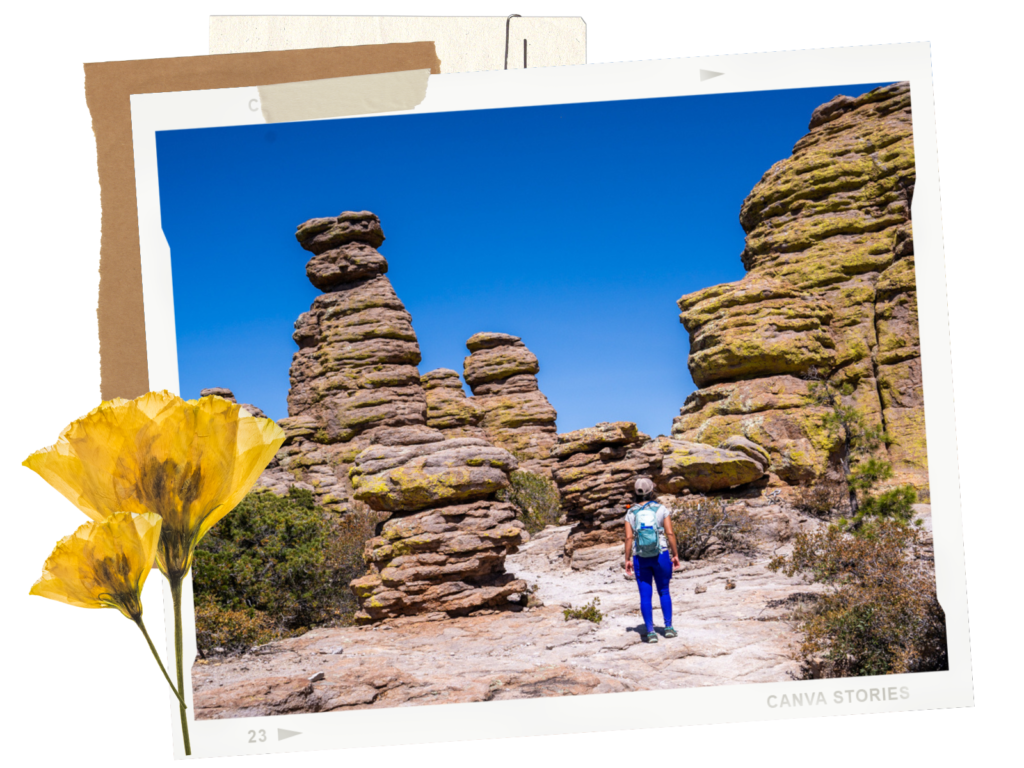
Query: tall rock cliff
{"x": 830, "y": 288}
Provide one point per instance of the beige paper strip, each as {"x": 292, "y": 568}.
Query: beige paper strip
{"x": 343, "y": 96}
{"x": 464, "y": 43}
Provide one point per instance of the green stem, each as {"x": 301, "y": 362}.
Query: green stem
{"x": 158, "y": 661}
{"x": 176, "y": 596}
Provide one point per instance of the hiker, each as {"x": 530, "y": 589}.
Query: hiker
{"x": 649, "y": 542}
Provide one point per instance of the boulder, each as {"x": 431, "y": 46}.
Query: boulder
{"x": 409, "y": 478}
{"x": 319, "y": 235}
{"x": 738, "y": 443}
{"x": 345, "y": 264}
{"x": 591, "y": 439}
{"x": 701, "y": 468}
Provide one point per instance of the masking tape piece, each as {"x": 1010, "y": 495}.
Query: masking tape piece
{"x": 343, "y": 96}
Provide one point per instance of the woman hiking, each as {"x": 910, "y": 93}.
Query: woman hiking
{"x": 649, "y": 540}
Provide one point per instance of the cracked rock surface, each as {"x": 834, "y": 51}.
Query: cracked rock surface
{"x": 726, "y": 636}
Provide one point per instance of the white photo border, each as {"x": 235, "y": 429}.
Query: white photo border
{"x": 612, "y": 711}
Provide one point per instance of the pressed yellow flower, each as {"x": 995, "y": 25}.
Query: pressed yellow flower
{"x": 191, "y": 462}
{"x": 103, "y": 565}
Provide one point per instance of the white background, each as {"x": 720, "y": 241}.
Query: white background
{"x": 80, "y": 685}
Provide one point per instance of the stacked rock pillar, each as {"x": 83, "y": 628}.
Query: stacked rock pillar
{"x": 355, "y": 372}
{"x": 514, "y": 413}
{"x": 443, "y": 549}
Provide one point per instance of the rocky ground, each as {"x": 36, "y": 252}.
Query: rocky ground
{"x": 727, "y": 635}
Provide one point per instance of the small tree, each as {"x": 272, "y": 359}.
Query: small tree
{"x": 859, "y": 439}
{"x": 862, "y": 470}
{"x": 536, "y": 499}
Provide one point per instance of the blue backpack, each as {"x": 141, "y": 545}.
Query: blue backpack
{"x": 645, "y": 532}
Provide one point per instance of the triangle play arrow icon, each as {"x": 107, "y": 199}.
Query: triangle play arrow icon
{"x": 282, "y": 734}
{"x": 707, "y": 74}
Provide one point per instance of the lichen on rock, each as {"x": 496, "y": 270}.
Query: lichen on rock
{"x": 444, "y": 548}
{"x": 830, "y": 287}
{"x": 514, "y": 413}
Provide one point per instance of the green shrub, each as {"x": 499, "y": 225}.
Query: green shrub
{"x": 700, "y": 522}
{"x": 869, "y": 472}
{"x": 277, "y": 565}
{"x": 880, "y": 614}
{"x": 894, "y": 504}
{"x": 535, "y": 497}
{"x": 587, "y": 612}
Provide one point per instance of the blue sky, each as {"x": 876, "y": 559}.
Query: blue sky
{"x": 576, "y": 227}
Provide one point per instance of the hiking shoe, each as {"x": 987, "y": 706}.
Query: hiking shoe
{"x": 652, "y": 637}
{"x": 671, "y": 632}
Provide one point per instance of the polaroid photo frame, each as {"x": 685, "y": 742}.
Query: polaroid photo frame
{"x": 152, "y": 113}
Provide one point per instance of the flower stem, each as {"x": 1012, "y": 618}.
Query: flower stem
{"x": 158, "y": 661}
{"x": 176, "y": 596}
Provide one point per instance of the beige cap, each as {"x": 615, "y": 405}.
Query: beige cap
{"x": 644, "y": 486}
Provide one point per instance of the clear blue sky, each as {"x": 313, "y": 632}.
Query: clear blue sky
{"x": 575, "y": 227}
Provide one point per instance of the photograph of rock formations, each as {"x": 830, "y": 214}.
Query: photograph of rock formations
{"x": 557, "y": 311}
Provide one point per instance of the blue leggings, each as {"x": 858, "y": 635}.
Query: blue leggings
{"x": 660, "y": 570}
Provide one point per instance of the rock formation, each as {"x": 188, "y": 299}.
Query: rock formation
{"x": 514, "y": 413}
{"x": 355, "y": 372}
{"x": 444, "y": 548}
{"x": 595, "y": 475}
{"x": 599, "y": 465}
{"x": 829, "y": 293}
{"x": 448, "y": 408}
{"x": 830, "y": 286}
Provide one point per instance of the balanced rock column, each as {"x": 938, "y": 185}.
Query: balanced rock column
{"x": 829, "y": 292}
{"x": 515, "y": 414}
{"x": 355, "y": 372}
{"x": 444, "y": 547}
{"x": 448, "y": 408}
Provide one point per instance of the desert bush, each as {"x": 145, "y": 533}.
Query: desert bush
{"x": 233, "y": 631}
{"x": 822, "y": 499}
{"x": 879, "y": 613}
{"x": 535, "y": 497}
{"x": 587, "y": 612}
{"x": 699, "y": 522}
{"x": 277, "y": 565}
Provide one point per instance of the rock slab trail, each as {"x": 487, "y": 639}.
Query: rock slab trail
{"x": 726, "y": 635}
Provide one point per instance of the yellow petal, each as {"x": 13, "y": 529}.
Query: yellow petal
{"x": 103, "y": 564}
{"x": 191, "y": 462}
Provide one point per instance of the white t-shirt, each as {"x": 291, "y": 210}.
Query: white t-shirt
{"x": 660, "y": 513}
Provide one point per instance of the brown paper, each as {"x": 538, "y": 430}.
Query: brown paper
{"x": 108, "y": 86}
